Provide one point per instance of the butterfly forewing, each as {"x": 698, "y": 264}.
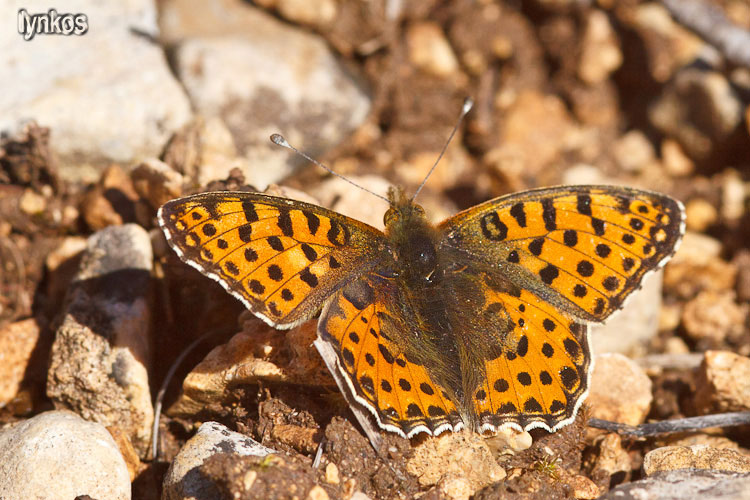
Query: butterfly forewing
{"x": 582, "y": 248}
{"x": 282, "y": 258}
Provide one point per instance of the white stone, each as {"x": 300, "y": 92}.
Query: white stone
{"x": 107, "y": 96}
{"x": 58, "y": 455}
{"x": 183, "y": 480}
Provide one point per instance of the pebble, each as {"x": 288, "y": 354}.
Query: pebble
{"x": 317, "y": 493}
{"x": 259, "y": 353}
{"x": 676, "y": 162}
{"x": 315, "y": 13}
{"x": 111, "y": 202}
{"x": 600, "y": 50}
{"x": 32, "y": 203}
{"x": 668, "y": 46}
{"x": 156, "y": 182}
{"x": 17, "y": 343}
{"x": 714, "y": 112}
{"x": 62, "y": 264}
{"x": 697, "y": 266}
{"x": 633, "y": 152}
{"x": 723, "y": 383}
{"x": 509, "y": 441}
{"x": 613, "y": 459}
{"x": 685, "y": 483}
{"x": 700, "y": 214}
{"x": 57, "y": 455}
{"x": 332, "y": 474}
{"x": 715, "y": 317}
{"x": 535, "y": 130}
{"x": 429, "y": 49}
{"x": 184, "y": 480}
{"x": 100, "y": 355}
{"x": 620, "y": 390}
{"x": 582, "y": 487}
{"x": 694, "y": 457}
{"x": 742, "y": 262}
{"x": 733, "y": 195}
{"x": 461, "y": 463}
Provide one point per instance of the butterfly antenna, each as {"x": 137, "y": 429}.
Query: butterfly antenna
{"x": 279, "y": 140}
{"x": 468, "y": 103}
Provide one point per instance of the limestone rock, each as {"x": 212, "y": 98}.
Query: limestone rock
{"x": 669, "y": 458}
{"x": 59, "y": 455}
{"x": 100, "y": 356}
{"x": 113, "y": 100}
{"x": 620, "y": 390}
{"x": 183, "y": 479}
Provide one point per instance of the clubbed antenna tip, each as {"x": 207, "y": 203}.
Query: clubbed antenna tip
{"x": 468, "y": 103}
{"x": 279, "y": 140}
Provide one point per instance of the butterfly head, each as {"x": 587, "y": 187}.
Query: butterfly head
{"x": 403, "y": 211}
{"x": 412, "y": 237}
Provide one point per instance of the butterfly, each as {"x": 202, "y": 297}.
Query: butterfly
{"x": 479, "y": 322}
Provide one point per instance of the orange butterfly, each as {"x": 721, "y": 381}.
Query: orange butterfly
{"x": 478, "y": 322}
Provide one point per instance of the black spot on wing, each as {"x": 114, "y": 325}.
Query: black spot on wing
{"x": 209, "y": 229}
{"x": 245, "y": 232}
{"x": 570, "y": 237}
{"x": 309, "y": 278}
{"x": 492, "y": 227}
{"x": 310, "y": 253}
{"x": 275, "y": 272}
{"x": 549, "y": 214}
{"x": 518, "y": 213}
{"x": 284, "y": 221}
{"x": 583, "y": 204}
{"x": 275, "y": 243}
{"x": 313, "y": 221}
{"x": 549, "y": 273}
{"x": 535, "y": 247}
{"x": 248, "y": 208}
{"x": 598, "y": 226}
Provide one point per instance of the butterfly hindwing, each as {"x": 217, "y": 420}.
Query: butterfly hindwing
{"x": 363, "y": 323}
{"x": 282, "y": 258}
{"x": 540, "y": 376}
{"x": 584, "y": 249}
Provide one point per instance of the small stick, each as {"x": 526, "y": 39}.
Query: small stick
{"x": 673, "y": 426}
{"x": 163, "y": 389}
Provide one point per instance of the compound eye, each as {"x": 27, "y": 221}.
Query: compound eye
{"x": 389, "y": 216}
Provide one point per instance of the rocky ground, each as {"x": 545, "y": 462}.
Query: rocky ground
{"x": 162, "y": 99}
